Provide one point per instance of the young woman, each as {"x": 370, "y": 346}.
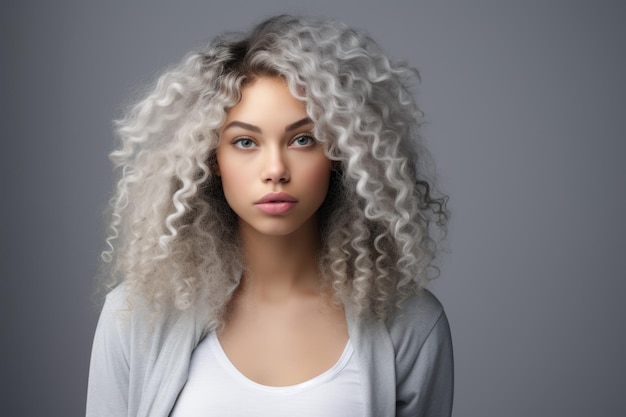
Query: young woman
{"x": 272, "y": 233}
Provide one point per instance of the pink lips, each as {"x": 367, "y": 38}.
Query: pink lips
{"x": 276, "y": 203}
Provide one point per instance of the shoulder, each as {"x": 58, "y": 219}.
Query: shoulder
{"x": 121, "y": 319}
{"x": 118, "y": 300}
{"x": 424, "y": 364}
{"x": 418, "y": 312}
{"x": 132, "y": 322}
{"x": 122, "y": 307}
{"x": 123, "y": 299}
{"x": 414, "y": 321}
{"x": 133, "y": 315}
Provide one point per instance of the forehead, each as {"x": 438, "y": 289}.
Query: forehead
{"x": 267, "y": 98}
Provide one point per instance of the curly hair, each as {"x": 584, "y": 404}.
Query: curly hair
{"x": 172, "y": 236}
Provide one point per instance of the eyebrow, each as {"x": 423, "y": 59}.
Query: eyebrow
{"x": 298, "y": 124}
{"x": 257, "y": 129}
{"x": 246, "y": 126}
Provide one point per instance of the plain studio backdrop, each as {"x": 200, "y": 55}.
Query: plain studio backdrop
{"x": 525, "y": 103}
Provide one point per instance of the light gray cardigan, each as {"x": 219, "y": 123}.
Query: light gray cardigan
{"x": 140, "y": 365}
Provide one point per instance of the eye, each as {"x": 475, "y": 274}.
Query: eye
{"x": 244, "y": 143}
{"x": 303, "y": 141}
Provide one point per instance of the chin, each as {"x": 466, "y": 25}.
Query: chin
{"x": 276, "y": 231}
{"x": 279, "y": 228}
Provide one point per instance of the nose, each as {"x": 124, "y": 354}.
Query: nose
{"x": 275, "y": 167}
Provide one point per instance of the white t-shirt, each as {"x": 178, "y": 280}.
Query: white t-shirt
{"x": 216, "y": 388}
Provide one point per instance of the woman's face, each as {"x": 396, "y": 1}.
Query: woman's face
{"x": 274, "y": 173}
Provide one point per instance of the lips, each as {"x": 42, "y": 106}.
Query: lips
{"x": 276, "y": 203}
{"x": 276, "y": 198}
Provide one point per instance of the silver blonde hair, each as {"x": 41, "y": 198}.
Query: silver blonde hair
{"x": 172, "y": 236}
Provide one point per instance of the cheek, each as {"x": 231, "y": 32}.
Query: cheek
{"x": 232, "y": 186}
{"x": 318, "y": 176}
{"x": 232, "y": 179}
{"x": 230, "y": 175}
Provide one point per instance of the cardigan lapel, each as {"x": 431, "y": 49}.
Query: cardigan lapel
{"x": 170, "y": 362}
{"x": 376, "y": 360}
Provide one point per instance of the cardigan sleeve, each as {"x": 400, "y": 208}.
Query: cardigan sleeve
{"x": 424, "y": 361}
{"x": 108, "y": 387}
{"x": 139, "y": 361}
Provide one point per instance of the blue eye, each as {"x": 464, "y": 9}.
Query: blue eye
{"x": 244, "y": 143}
{"x": 304, "y": 140}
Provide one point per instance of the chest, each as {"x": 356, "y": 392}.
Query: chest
{"x": 284, "y": 345}
{"x": 216, "y": 387}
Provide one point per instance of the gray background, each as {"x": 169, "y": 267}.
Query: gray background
{"x": 525, "y": 102}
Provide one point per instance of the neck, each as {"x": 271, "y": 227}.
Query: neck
{"x": 278, "y": 266}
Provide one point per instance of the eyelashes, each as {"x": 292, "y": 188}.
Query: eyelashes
{"x": 244, "y": 143}
{"x": 299, "y": 141}
{"x": 304, "y": 141}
